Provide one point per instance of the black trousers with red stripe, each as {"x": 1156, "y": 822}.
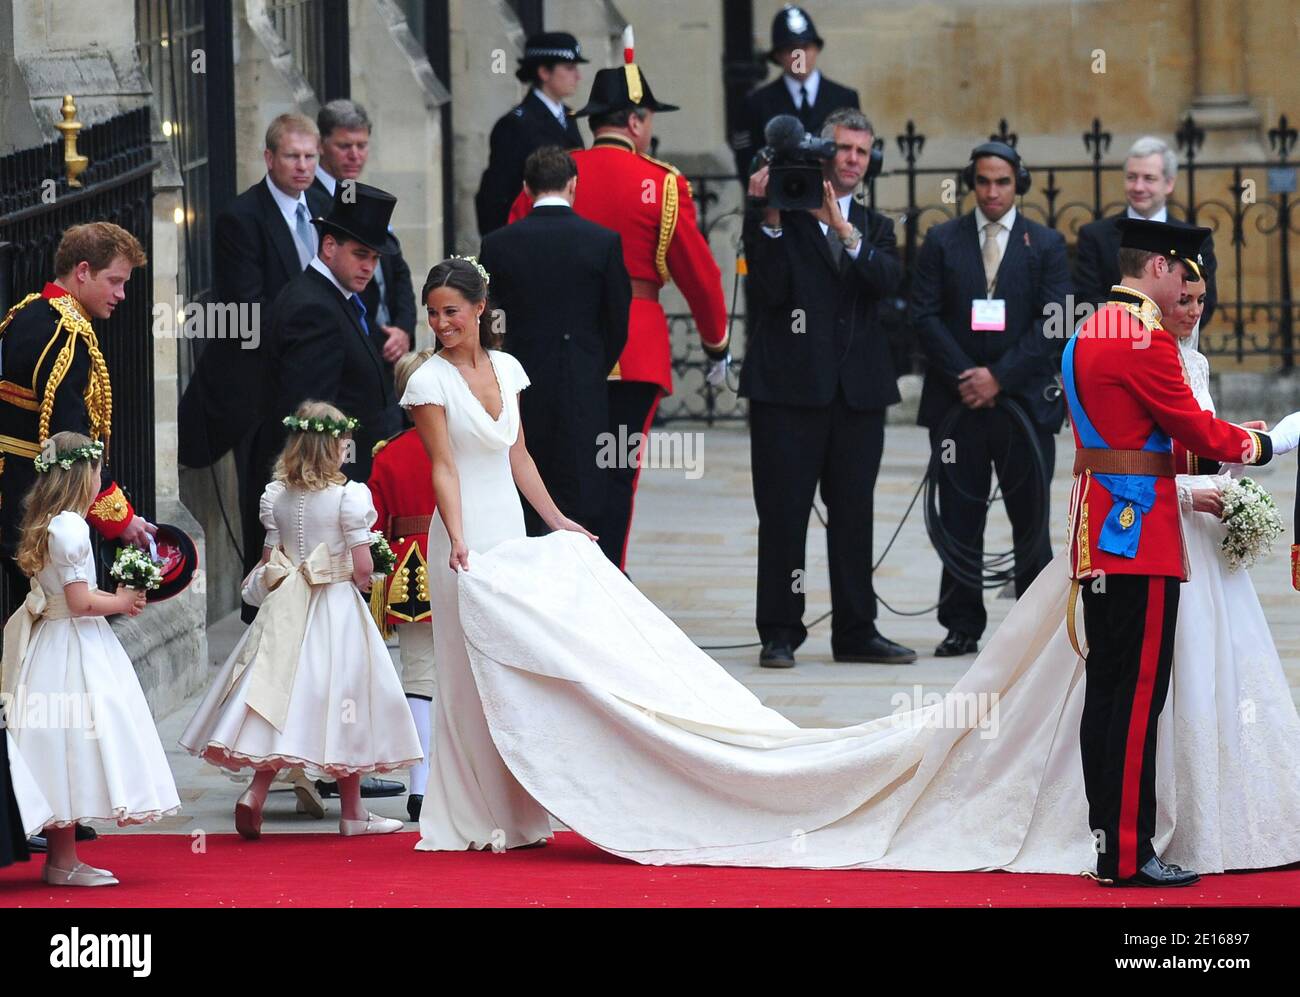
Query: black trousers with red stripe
{"x": 1129, "y": 620}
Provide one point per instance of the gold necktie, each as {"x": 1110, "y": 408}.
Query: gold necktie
{"x": 992, "y": 254}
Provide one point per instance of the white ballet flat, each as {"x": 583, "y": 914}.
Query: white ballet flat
{"x": 79, "y": 875}
{"x": 373, "y": 824}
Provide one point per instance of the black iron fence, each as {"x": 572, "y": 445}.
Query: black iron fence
{"x": 1249, "y": 205}
{"x": 36, "y": 206}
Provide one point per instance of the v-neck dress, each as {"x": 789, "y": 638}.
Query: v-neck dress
{"x": 472, "y": 800}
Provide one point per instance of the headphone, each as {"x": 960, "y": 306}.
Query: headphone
{"x": 876, "y": 161}
{"x": 1002, "y": 151}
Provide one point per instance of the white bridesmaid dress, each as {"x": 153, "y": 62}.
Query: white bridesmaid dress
{"x": 346, "y": 711}
{"x": 79, "y": 718}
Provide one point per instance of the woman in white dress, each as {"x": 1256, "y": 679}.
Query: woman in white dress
{"x": 607, "y": 716}
{"x": 310, "y": 684}
{"x": 74, "y": 706}
{"x": 465, "y": 404}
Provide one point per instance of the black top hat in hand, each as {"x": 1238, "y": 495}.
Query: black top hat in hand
{"x": 361, "y": 212}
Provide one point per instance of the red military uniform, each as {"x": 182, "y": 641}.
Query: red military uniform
{"x": 649, "y": 204}
{"x": 1127, "y": 392}
{"x": 55, "y": 379}
{"x": 401, "y": 485}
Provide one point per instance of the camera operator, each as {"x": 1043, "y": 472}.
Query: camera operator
{"x": 818, "y": 378}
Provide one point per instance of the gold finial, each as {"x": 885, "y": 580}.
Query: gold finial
{"x": 73, "y": 161}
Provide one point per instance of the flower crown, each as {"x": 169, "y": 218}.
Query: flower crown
{"x": 66, "y": 458}
{"x": 482, "y": 271}
{"x": 335, "y": 427}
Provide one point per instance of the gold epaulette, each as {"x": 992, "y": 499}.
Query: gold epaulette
{"x": 9, "y": 315}
{"x": 670, "y": 168}
{"x": 374, "y": 451}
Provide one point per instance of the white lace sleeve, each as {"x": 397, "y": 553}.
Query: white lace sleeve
{"x": 1184, "y": 496}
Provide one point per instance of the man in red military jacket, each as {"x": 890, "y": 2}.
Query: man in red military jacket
{"x": 649, "y": 204}
{"x": 401, "y": 486}
{"x": 1128, "y": 397}
{"x": 55, "y": 379}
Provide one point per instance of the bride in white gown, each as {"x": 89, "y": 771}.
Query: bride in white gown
{"x": 563, "y": 690}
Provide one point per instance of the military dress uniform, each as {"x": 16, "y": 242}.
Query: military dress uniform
{"x": 649, "y": 204}
{"x": 1126, "y": 549}
{"x": 401, "y": 485}
{"x": 54, "y": 379}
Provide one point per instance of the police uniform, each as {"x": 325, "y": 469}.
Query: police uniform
{"x": 401, "y": 485}
{"x": 54, "y": 379}
{"x": 1125, "y": 540}
{"x": 529, "y": 125}
{"x": 648, "y": 202}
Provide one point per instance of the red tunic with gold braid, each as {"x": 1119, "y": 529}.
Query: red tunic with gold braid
{"x": 1127, "y": 391}
{"x": 55, "y": 379}
{"x": 401, "y": 485}
{"x": 649, "y": 204}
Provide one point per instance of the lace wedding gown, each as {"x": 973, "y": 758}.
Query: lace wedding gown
{"x": 574, "y": 691}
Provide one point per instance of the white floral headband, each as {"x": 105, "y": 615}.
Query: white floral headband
{"x": 482, "y": 272}
{"x": 65, "y": 458}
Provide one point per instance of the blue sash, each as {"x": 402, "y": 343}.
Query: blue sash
{"x": 1135, "y": 493}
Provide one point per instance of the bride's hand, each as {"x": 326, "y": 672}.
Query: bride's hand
{"x": 459, "y": 560}
{"x": 1208, "y": 500}
{"x": 565, "y": 523}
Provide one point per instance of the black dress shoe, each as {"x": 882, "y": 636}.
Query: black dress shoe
{"x": 955, "y": 645}
{"x": 371, "y": 787}
{"x": 1156, "y": 873}
{"x": 776, "y": 654}
{"x": 879, "y": 651}
{"x": 414, "y": 803}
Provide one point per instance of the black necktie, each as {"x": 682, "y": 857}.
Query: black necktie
{"x": 804, "y": 106}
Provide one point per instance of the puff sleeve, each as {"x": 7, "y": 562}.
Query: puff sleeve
{"x": 426, "y": 386}
{"x": 266, "y": 512}
{"x": 70, "y": 549}
{"x": 356, "y": 514}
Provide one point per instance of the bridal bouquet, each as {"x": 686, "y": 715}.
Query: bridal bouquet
{"x": 136, "y": 569}
{"x": 382, "y": 554}
{"x": 1253, "y": 522}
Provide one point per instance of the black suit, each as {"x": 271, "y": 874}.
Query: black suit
{"x": 773, "y": 98}
{"x": 316, "y": 347}
{"x": 254, "y": 256}
{"x": 949, "y": 276}
{"x": 818, "y": 378}
{"x": 399, "y": 294}
{"x": 1096, "y": 264}
{"x": 528, "y": 126}
{"x": 560, "y": 282}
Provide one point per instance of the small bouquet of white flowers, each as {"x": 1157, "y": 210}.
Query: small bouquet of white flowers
{"x": 136, "y": 569}
{"x": 382, "y": 554}
{"x": 1253, "y": 522}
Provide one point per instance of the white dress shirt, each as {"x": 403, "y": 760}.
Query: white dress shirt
{"x": 1004, "y": 235}
{"x": 811, "y": 85}
{"x": 320, "y": 267}
{"x": 288, "y": 205}
{"x": 1160, "y": 216}
{"x": 551, "y": 201}
{"x": 554, "y": 106}
{"x": 328, "y": 181}
{"x": 845, "y": 202}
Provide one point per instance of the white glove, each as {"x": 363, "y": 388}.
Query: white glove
{"x": 717, "y": 375}
{"x": 1286, "y": 434}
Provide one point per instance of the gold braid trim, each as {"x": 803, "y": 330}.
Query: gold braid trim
{"x": 9, "y": 315}
{"x": 99, "y": 392}
{"x": 667, "y": 226}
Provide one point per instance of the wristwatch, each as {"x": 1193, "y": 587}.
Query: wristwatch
{"x": 852, "y": 239}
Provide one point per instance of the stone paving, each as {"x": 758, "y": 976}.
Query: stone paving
{"x": 693, "y": 551}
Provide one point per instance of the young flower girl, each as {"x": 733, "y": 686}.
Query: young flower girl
{"x": 310, "y": 684}
{"x": 73, "y": 703}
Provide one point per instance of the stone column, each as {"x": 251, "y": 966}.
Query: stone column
{"x": 1221, "y": 107}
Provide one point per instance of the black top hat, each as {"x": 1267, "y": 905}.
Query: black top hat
{"x": 175, "y": 554}
{"x": 1174, "y": 242}
{"x": 361, "y": 212}
{"x": 792, "y": 26}
{"x": 547, "y": 47}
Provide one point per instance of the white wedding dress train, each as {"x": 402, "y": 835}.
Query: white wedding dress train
{"x": 606, "y": 715}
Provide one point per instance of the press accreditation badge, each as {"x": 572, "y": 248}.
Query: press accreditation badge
{"x": 988, "y": 315}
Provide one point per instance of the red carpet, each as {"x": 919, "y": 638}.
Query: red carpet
{"x": 324, "y": 870}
